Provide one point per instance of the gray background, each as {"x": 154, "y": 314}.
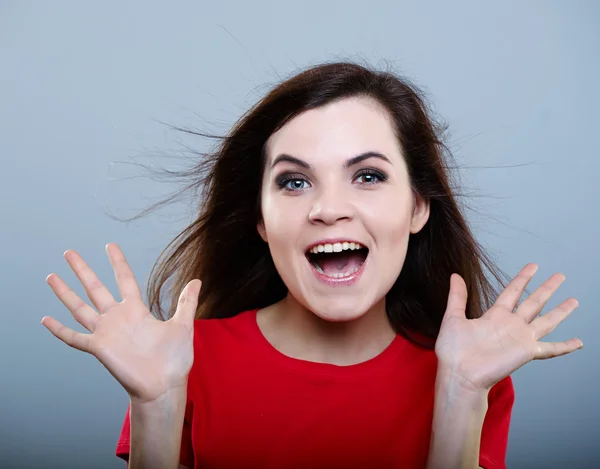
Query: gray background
{"x": 84, "y": 84}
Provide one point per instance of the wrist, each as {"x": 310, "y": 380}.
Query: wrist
{"x": 156, "y": 430}
{"x": 449, "y": 382}
{"x": 165, "y": 401}
{"x": 459, "y": 413}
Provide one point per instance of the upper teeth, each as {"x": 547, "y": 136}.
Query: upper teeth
{"x": 335, "y": 247}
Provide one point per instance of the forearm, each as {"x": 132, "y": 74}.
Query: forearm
{"x": 156, "y": 430}
{"x": 458, "y": 417}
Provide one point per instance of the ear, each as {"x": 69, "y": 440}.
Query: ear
{"x": 260, "y": 227}
{"x": 420, "y": 213}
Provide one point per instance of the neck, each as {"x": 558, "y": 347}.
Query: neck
{"x": 299, "y": 333}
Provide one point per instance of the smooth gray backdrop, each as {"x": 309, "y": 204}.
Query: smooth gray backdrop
{"x": 83, "y": 86}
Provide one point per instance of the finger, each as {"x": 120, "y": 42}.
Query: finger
{"x": 545, "y": 324}
{"x": 95, "y": 289}
{"x": 514, "y": 290}
{"x": 457, "y": 297}
{"x": 533, "y": 305}
{"x": 68, "y": 336}
{"x": 128, "y": 286}
{"x": 556, "y": 349}
{"x": 83, "y": 313}
{"x": 187, "y": 304}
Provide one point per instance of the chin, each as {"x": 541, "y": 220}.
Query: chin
{"x": 342, "y": 310}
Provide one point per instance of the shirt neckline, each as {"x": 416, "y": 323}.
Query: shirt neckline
{"x": 382, "y": 360}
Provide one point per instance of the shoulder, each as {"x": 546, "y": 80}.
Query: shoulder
{"x": 496, "y": 425}
{"x": 223, "y": 335}
{"x": 240, "y": 323}
{"x": 503, "y": 390}
{"x": 500, "y": 404}
{"x": 221, "y": 347}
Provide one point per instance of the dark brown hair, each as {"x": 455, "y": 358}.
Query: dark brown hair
{"x": 223, "y": 248}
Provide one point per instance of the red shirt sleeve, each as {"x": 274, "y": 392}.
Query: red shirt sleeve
{"x": 494, "y": 434}
{"x": 186, "y": 456}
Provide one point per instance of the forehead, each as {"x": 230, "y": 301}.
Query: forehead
{"x": 340, "y": 129}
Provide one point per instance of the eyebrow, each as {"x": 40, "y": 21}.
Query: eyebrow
{"x": 350, "y": 162}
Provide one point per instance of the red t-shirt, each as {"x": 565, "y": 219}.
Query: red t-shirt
{"x": 249, "y": 406}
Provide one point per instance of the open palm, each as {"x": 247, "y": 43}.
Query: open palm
{"x": 480, "y": 352}
{"x": 147, "y": 356}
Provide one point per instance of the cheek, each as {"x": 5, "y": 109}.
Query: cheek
{"x": 390, "y": 226}
{"x": 392, "y": 245}
{"x": 282, "y": 225}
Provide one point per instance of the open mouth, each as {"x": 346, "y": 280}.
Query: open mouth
{"x": 337, "y": 260}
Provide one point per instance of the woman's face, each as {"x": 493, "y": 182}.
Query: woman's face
{"x": 337, "y": 207}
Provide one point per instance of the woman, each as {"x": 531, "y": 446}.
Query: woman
{"x": 344, "y": 318}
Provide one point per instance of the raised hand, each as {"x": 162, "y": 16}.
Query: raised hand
{"x": 480, "y": 352}
{"x": 149, "y": 357}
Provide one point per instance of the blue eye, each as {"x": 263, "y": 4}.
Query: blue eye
{"x": 292, "y": 182}
{"x": 369, "y": 177}
{"x": 295, "y": 184}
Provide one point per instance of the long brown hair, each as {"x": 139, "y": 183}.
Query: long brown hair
{"x": 223, "y": 248}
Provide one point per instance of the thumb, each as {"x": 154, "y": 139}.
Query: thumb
{"x": 457, "y": 298}
{"x": 188, "y": 303}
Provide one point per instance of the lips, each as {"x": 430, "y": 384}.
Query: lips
{"x": 340, "y": 262}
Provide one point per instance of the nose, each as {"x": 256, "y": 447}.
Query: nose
{"x": 330, "y": 206}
